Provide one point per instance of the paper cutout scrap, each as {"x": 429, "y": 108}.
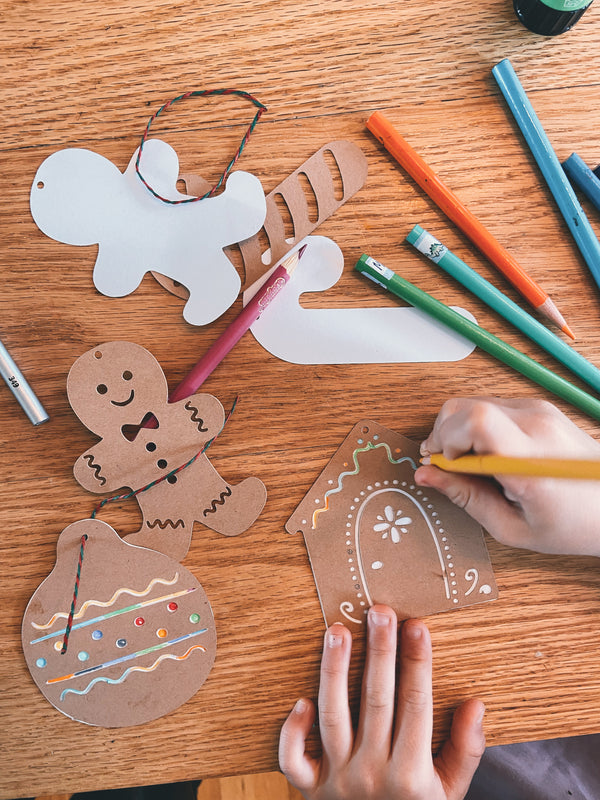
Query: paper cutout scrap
{"x": 114, "y": 389}
{"x": 348, "y": 335}
{"x": 143, "y": 639}
{"x": 79, "y": 197}
{"x": 374, "y": 536}
{"x": 350, "y": 164}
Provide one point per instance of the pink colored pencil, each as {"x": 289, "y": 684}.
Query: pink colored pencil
{"x": 249, "y": 314}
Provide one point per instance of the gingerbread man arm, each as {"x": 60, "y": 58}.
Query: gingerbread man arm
{"x": 205, "y": 413}
{"x": 95, "y": 470}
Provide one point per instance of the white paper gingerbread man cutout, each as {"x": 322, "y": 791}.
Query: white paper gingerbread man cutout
{"x": 116, "y": 389}
{"x": 79, "y": 197}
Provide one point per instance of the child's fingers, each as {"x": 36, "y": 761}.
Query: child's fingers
{"x": 480, "y": 424}
{"x": 300, "y": 769}
{"x": 482, "y": 499}
{"x": 335, "y": 723}
{"x": 379, "y": 679}
{"x": 414, "y": 718}
{"x": 460, "y": 756}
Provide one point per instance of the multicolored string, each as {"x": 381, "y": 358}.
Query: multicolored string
{"x": 126, "y": 497}
{"x": 204, "y": 93}
{"x": 75, "y": 593}
{"x": 107, "y": 500}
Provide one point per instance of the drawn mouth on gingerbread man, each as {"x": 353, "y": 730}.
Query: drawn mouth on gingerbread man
{"x": 124, "y": 402}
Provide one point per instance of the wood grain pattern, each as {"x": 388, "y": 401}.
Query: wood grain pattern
{"x": 240, "y": 787}
{"x": 90, "y": 75}
{"x": 248, "y": 787}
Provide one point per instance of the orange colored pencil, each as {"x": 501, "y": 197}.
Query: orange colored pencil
{"x": 447, "y": 201}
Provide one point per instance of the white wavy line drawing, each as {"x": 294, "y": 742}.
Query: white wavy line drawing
{"x": 356, "y": 470}
{"x": 125, "y": 675}
{"x": 429, "y": 525}
{"x": 107, "y": 604}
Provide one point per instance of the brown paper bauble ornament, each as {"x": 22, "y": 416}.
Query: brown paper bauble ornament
{"x": 142, "y": 640}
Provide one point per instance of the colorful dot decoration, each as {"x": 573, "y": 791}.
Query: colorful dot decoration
{"x": 41, "y": 663}
{"x": 82, "y": 655}
{"x": 172, "y": 607}
{"x": 161, "y": 633}
{"x": 139, "y": 621}
{"x": 121, "y": 643}
{"x": 58, "y": 646}
{"x": 194, "y": 618}
{"x": 97, "y": 635}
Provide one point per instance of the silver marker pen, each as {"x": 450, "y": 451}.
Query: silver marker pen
{"x": 21, "y": 389}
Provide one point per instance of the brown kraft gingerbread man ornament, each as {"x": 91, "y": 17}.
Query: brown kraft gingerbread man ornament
{"x": 119, "y": 392}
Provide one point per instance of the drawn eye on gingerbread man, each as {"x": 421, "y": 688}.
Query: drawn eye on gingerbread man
{"x": 119, "y": 392}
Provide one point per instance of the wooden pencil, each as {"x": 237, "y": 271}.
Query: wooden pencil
{"x": 438, "y": 253}
{"x": 449, "y": 203}
{"x": 547, "y": 160}
{"x": 493, "y": 345}
{"x": 491, "y": 464}
{"x": 248, "y": 315}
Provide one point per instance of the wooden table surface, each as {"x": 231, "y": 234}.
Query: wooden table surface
{"x": 90, "y": 75}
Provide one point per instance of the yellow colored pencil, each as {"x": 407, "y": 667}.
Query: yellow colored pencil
{"x": 575, "y": 469}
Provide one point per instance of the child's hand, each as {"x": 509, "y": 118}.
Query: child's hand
{"x": 549, "y": 515}
{"x": 389, "y": 756}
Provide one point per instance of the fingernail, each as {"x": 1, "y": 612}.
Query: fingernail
{"x": 419, "y": 477}
{"x": 479, "y": 718}
{"x": 378, "y": 619}
{"x": 301, "y": 706}
{"x": 413, "y": 632}
{"x": 335, "y": 639}
{"x": 424, "y": 448}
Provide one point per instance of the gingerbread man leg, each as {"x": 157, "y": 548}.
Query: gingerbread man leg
{"x": 196, "y": 494}
{"x": 167, "y": 522}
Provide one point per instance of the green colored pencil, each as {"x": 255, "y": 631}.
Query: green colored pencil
{"x": 438, "y": 253}
{"x": 496, "y": 347}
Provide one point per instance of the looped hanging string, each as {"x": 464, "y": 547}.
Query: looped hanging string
{"x": 126, "y": 497}
{"x": 75, "y": 593}
{"x": 204, "y": 93}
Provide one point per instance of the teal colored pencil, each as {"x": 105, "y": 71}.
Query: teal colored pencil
{"x": 484, "y": 339}
{"x": 471, "y": 280}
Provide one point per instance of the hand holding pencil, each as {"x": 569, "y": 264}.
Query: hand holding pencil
{"x": 549, "y": 516}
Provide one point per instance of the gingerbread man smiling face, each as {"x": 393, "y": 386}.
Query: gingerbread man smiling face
{"x": 118, "y": 390}
{"x": 116, "y": 384}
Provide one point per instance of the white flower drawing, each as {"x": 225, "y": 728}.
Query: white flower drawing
{"x": 392, "y": 524}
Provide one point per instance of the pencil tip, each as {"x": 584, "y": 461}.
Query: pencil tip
{"x": 291, "y": 262}
{"x": 549, "y": 310}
